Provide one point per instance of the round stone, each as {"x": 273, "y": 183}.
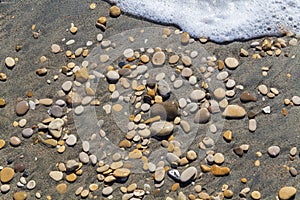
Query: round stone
{"x": 99, "y": 37}
{"x": 67, "y": 86}
{"x": 20, "y": 196}
{"x": 159, "y": 174}
{"x": 197, "y": 95}
{"x": 31, "y": 184}
{"x": 185, "y": 126}
{"x": 5, "y": 188}
{"x": 61, "y": 188}
{"x": 85, "y": 146}
{"x": 56, "y": 111}
{"x": 296, "y": 100}
{"x": 79, "y": 110}
{"x": 84, "y": 157}
{"x": 112, "y": 76}
{"x": 115, "y": 11}
{"x": 186, "y": 72}
{"x": 15, "y": 141}
{"x": 173, "y": 59}
{"x": 10, "y": 62}
{"x": 188, "y": 174}
{"x": 191, "y": 155}
{"x": 55, "y": 48}
{"x": 230, "y": 83}
{"x": 287, "y": 192}
{"x": 27, "y": 132}
{"x": 128, "y": 53}
{"x": 231, "y": 63}
{"x": 22, "y": 107}
{"x": 145, "y": 133}
{"x": 256, "y": 195}
{"x": 19, "y": 167}
{"x": 22, "y": 123}
{"x": 71, "y": 140}
{"x": 202, "y": 116}
{"x": 274, "y": 151}
{"x": 56, "y": 175}
{"x": 6, "y": 174}
{"x": 121, "y": 173}
{"x": 158, "y": 58}
{"x": 219, "y": 93}
{"x": 107, "y": 191}
{"x": 234, "y": 111}
{"x": 219, "y": 158}
{"x": 2, "y": 102}
{"x": 263, "y": 89}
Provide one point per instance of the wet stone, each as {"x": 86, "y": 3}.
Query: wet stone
{"x": 202, "y": 116}
{"x": 263, "y": 89}
{"x": 164, "y": 89}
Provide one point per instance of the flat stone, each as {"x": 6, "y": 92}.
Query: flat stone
{"x": 197, "y": 95}
{"x": 247, "y": 97}
{"x": 46, "y": 102}
{"x": 171, "y": 158}
{"x": 22, "y": 107}
{"x": 255, "y": 195}
{"x": 71, "y": 140}
{"x": 15, "y": 141}
{"x": 55, "y": 48}
{"x": 56, "y": 111}
{"x": 219, "y": 93}
{"x": 161, "y": 128}
{"x": 274, "y": 151}
{"x": 121, "y": 173}
{"x": 72, "y": 165}
{"x": 84, "y": 157}
{"x": 263, "y": 89}
{"x": 10, "y": 62}
{"x": 185, "y": 38}
{"x": 296, "y": 100}
{"x": 287, "y": 192}
{"x": 202, "y": 116}
{"x": 107, "y": 191}
{"x": 6, "y": 174}
{"x": 159, "y": 174}
{"x": 188, "y": 174}
{"x": 158, "y": 58}
{"x": 178, "y": 83}
{"x": 234, "y": 111}
{"x": 219, "y": 171}
{"x": 186, "y": 72}
{"x": 67, "y": 86}
{"x": 219, "y": 158}
{"x": 41, "y": 71}
{"x": 145, "y": 133}
{"x": 79, "y": 110}
{"x": 174, "y": 59}
{"x": 231, "y": 63}
{"x": 27, "y": 132}
{"x": 293, "y": 171}
{"x": 56, "y": 175}
{"x": 61, "y": 188}
{"x": 252, "y": 125}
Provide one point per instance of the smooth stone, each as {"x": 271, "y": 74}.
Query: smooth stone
{"x": 5, "y": 188}
{"x": 99, "y": 37}
{"x": 247, "y": 97}
{"x": 115, "y": 11}
{"x": 161, "y": 128}
{"x": 173, "y": 59}
{"x": 274, "y": 151}
{"x": 174, "y": 174}
{"x": 112, "y": 76}
{"x": 107, "y": 191}
{"x": 79, "y": 110}
{"x": 293, "y": 171}
{"x": 197, "y": 95}
{"x": 296, "y": 100}
{"x": 166, "y": 110}
{"x": 71, "y": 140}
{"x": 263, "y": 89}
{"x": 67, "y": 86}
{"x": 20, "y": 195}
{"x": 55, "y": 127}
{"x": 252, "y": 125}
{"x": 177, "y": 84}
{"x": 238, "y": 151}
{"x": 287, "y": 192}
{"x": 193, "y": 80}
{"x": 222, "y": 75}
{"x": 219, "y": 171}
{"x": 159, "y": 174}
{"x": 191, "y": 155}
{"x": 121, "y": 173}
{"x": 85, "y": 146}
{"x": 128, "y": 53}
{"x": 231, "y": 63}
{"x": 86, "y": 100}
{"x": 230, "y": 84}
{"x": 22, "y": 107}
{"x": 171, "y": 157}
{"x": 188, "y": 174}
{"x": 219, "y": 93}
{"x": 214, "y": 106}
{"x": 145, "y": 133}
{"x": 234, "y": 111}
{"x": 56, "y": 175}
{"x": 185, "y": 126}
{"x": 164, "y": 89}
{"x": 84, "y": 157}
{"x": 6, "y": 174}
{"x": 27, "y": 132}
{"x": 55, "y": 48}
{"x": 158, "y": 58}
{"x": 202, "y": 116}
{"x": 72, "y": 165}
{"x": 141, "y": 69}
{"x": 45, "y": 102}
{"x": 255, "y": 195}
{"x": 186, "y": 72}
{"x": 182, "y": 102}
{"x": 15, "y": 141}
{"x": 19, "y": 167}
{"x": 31, "y": 184}
{"x": 219, "y": 158}
{"x": 56, "y": 111}
{"x": 10, "y": 62}
{"x": 187, "y": 61}
{"x": 22, "y": 123}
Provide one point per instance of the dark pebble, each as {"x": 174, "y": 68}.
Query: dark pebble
{"x": 238, "y": 151}
{"x": 56, "y": 111}
{"x": 19, "y": 167}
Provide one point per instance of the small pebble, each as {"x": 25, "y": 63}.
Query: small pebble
{"x": 274, "y": 151}
{"x": 10, "y": 62}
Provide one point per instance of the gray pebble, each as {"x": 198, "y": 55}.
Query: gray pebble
{"x": 188, "y": 174}
{"x": 85, "y": 146}
{"x": 164, "y": 89}
{"x": 56, "y": 111}
{"x": 296, "y": 100}
{"x": 93, "y": 159}
{"x": 71, "y": 140}
{"x": 274, "y": 151}
{"x": 197, "y": 95}
{"x": 177, "y": 84}
{"x": 84, "y": 157}
{"x": 79, "y": 110}
{"x": 222, "y": 75}
{"x": 27, "y": 132}
{"x": 182, "y": 102}
{"x": 171, "y": 157}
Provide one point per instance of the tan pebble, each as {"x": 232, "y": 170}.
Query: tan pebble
{"x": 191, "y": 155}
{"x": 135, "y": 154}
{"x": 117, "y": 107}
{"x": 205, "y": 168}
{"x": 71, "y": 177}
{"x": 2, "y": 143}
{"x": 287, "y": 192}
{"x": 109, "y": 179}
{"x": 20, "y": 195}
{"x": 204, "y": 196}
{"x": 132, "y": 187}
{"x": 93, "y": 187}
{"x": 125, "y": 143}
{"x": 183, "y": 161}
{"x": 175, "y": 186}
{"x": 85, "y": 52}
{"x": 228, "y": 194}
{"x": 2, "y": 102}
{"x": 219, "y": 158}
{"x": 220, "y": 65}
{"x": 203, "y": 39}
{"x": 145, "y": 58}
{"x": 73, "y": 29}
{"x": 89, "y": 91}
{"x": 219, "y": 171}
{"x": 46, "y": 102}
{"x": 243, "y": 180}
{"x": 185, "y": 37}
{"x": 6, "y": 174}
{"x": 61, "y": 188}
{"x": 231, "y": 63}
{"x": 15, "y": 141}
{"x": 227, "y": 135}
{"x": 3, "y": 77}
{"x": 10, "y": 62}
{"x": 244, "y": 53}
{"x": 61, "y": 149}
{"x": 121, "y": 173}
{"x": 287, "y": 101}
{"x": 115, "y": 11}
{"x": 123, "y": 189}
{"x": 255, "y": 195}
{"x": 92, "y": 6}
{"x": 84, "y": 193}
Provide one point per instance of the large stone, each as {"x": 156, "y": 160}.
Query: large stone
{"x": 234, "y": 111}
{"x": 158, "y": 58}
{"x": 82, "y": 75}
{"x": 6, "y": 174}
{"x": 219, "y": 171}
{"x": 161, "y": 128}
{"x": 287, "y": 192}
{"x": 166, "y": 110}
{"x": 22, "y": 107}
{"x": 188, "y": 174}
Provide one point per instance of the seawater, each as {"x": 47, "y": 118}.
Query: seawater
{"x": 221, "y": 20}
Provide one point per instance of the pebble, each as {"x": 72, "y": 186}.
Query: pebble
{"x": 145, "y": 133}
{"x": 296, "y": 100}
{"x": 161, "y": 128}
{"x": 115, "y": 11}
{"x": 274, "y": 151}
{"x": 178, "y": 83}
{"x": 267, "y": 110}
{"x": 20, "y": 195}
{"x": 84, "y": 157}
{"x": 219, "y": 93}
{"x": 187, "y": 61}
{"x": 56, "y": 111}
{"x": 56, "y": 175}
{"x": 22, "y": 107}
{"x": 99, "y": 37}
{"x": 219, "y": 171}
{"x": 222, "y": 75}
{"x": 107, "y": 191}
{"x": 159, "y": 174}
{"x": 5, "y": 188}
{"x": 2, "y": 102}
{"x": 22, "y": 123}
{"x": 171, "y": 158}
{"x": 186, "y": 72}
{"x": 31, "y": 184}
{"x": 121, "y": 173}
{"x": 128, "y": 53}
{"x": 55, "y": 127}
{"x": 263, "y": 89}
{"x": 15, "y": 141}
{"x": 2, "y": 143}
{"x": 82, "y": 75}
{"x": 287, "y": 192}
{"x": 67, "y": 86}
{"x": 71, "y": 140}
{"x": 202, "y": 116}
{"x": 10, "y": 62}
{"x": 61, "y": 188}
{"x": 185, "y": 38}
{"x": 112, "y": 76}
{"x": 234, "y": 111}
{"x": 231, "y": 63}
{"x": 55, "y": 48}
{"x": 27, "y": 132}
{"x": 252, "y": 125}
{"x": 166, "y": 110}
{"x": 85, "y": 146}
{"x": 185, "y": 126}
{"x": 6, "y": 174}
{"x": 164, "y": 89}
{"x": 293, "y": 171}
{"x": 247, "y": 97}
{"x": 79, "y": 110}
{"x": 219, "y": 158}
{"x": 158, "y": 58}
{"x": 173, "y": 59}
{"x": 174, "y": 174}
{"x": 255, "y": 195}
{"x": 46, "y": 102}
{"x": 188, "y": 174}
{"x": 197, "y": 95}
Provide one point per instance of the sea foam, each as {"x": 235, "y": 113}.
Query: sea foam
{"x": 221, "y": 20}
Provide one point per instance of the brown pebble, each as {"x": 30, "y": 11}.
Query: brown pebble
{"x": 22, "y": 107}
{"x": 61, "y": 188}
{"x": 227, "y": 135}
{"x": 284, "y": 112}
{"x": 19, "y": 167}
{"x": 247, "y": 97}
{"x": 238, "y": 151}
{"x": 15, "y": 141}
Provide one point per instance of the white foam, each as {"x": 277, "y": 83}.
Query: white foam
{"x": 220, "y": 20}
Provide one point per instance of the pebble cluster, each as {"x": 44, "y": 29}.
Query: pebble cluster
{"x": 163, "y": 107}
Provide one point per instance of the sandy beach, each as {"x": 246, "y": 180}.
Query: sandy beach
{"x": 230, "y": 112}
